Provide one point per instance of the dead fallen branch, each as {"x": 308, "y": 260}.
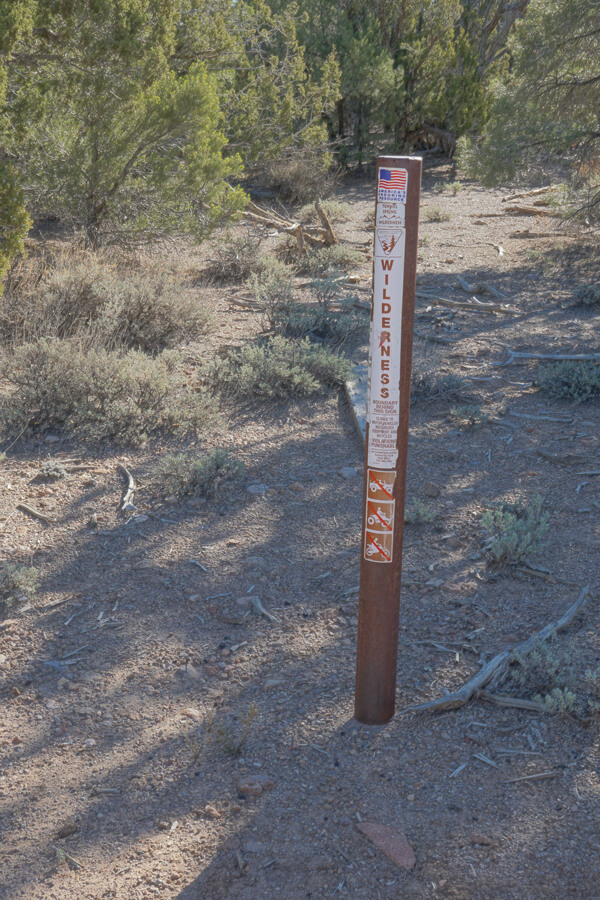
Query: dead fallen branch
{"x": 321, "y": 235}
{"x": 128, "y": 498}
{"x": 534, "y": 193}
{"x": 474, "y": 305}
{"x": 554, "y": 357}
{"x": 514, "y": 702}
{"x": 527, "y": 211}
{"x": 495, "y": 671}
{"x": 35, "y": 513}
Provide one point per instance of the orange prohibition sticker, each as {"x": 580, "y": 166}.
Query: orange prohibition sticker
{"x": 381, "y": 506}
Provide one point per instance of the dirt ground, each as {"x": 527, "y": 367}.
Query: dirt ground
{"x": 126, "y": 688}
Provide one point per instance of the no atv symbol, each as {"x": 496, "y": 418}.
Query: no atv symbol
{"x": 379, "y": 531}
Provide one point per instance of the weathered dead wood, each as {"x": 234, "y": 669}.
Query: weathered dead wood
{"x": 495, "y": 671}
{"x": 476, "y": 306}
{"x": 555, "y": 357}
{"x": 534, "y": 193}
{"x": 515, "y": 702}
{"x": 25, "y": 507}
{"x": 326, "y": 223}
{"x": 306, "y": 235}
{"x": 527, "y": 211}
{"x": 130, "y": 491}
{"x": 567, "y": 459}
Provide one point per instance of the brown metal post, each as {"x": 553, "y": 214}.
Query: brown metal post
{"x": 390, "y": 358}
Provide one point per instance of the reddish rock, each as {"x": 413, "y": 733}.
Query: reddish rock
{"x": 391, "y": 842}
{"x": 254, "y": 785}
{"x": 482, "y": 839}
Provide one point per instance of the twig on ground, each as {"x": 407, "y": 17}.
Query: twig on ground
{"x": 474, "y": 306}
{"x": 527, "y": 211}
{"x": 534, "y": 193}
{"x": 494, "y": 671}
{"x": 536, "y": 777}
{"x": 516, "y": 702}
{"x": 70, "y": 859}
{"x": 556, "y": 357}
{"x": 36, "y": 513}
{"x": 261, "y": 610}
{"x": 128, "y": 498}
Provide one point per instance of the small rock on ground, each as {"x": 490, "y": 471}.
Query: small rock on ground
{"x": 391, "y": 842}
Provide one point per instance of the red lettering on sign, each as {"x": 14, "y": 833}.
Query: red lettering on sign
{"x": 386, "y": 265}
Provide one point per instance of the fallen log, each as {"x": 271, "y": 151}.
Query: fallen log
{"x": 554, "y": 357}
{"x": 494, "y": 672}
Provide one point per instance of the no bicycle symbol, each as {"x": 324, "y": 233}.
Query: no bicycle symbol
{"x": 379, "y": 530}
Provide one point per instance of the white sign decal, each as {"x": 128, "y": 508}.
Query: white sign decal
{"x": 390, "y": 214}
{"x": 383, "y": 408}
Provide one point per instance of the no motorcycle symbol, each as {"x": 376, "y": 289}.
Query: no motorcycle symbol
{"x": 379, "y": 514}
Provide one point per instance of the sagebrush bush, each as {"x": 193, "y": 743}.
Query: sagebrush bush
{"x": 273, "y": 288}
{"x": 79, "y": 294}
{"x": 469, "y": 415}
{"x": 588, "y": 294}
{"x": 299, "y": 175}
{"x": 336, "y": 210}
{"x": 436, "y": 214}
{"x": 273, "y": 285}
{"x": 186, "y": 473}
{"x": 17, "y": 581}
{"x": 278, "y": 369}
{"x": 550, "y": 675}
{"x": 234, "y": 259}
{"x": 428, "y": 387}
{"x": 326, "y": 260}
{"x": 517, "y": 530}
{"x": 98, "y": 394}
{"x": 317, "y": 321}
{"x": 418, "y": 513}
{"x": 571, "y": 380}
{"x": 52, "y": 469}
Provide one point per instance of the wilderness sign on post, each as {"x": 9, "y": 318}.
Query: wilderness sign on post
{"x": 390, "y": 354}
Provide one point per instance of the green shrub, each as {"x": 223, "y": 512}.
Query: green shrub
{"x": 435, "y": 214}
{"x": 336, "y": 258}
{"x": 273, "y": 285}
{"x": 588, "y": 294}
{"x": 571, "y": 380}
{"x": 469, "y": 415}
{"x": 79, "y": 294}
{"x": 517, "y": 530}
{"x": 418, "y": 513}
{"x": 15, "y": 582}
{"x": 278, "y": 369}
{"x": 97, "y": 394}
{"x": 273, "y": 288}
{"x": 230, "y": 733}
{"x": 299, "y": 175}
{"x": 336, "y": 210}
{"x": 429, "y": 387}
{"x": 183, "y": 473}
{"x": 317, "y": 321}
{"x": 548, "y": 674}
{"x": 234, "y": 259}
{"x": 52, "y": 469}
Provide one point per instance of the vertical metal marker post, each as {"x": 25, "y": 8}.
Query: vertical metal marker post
{"x": 390, "y": 358}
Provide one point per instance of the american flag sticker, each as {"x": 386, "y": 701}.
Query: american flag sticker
{"x": 392, "y": 184}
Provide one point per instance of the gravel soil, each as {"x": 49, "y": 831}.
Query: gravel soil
{"x": 159, "y": 737}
